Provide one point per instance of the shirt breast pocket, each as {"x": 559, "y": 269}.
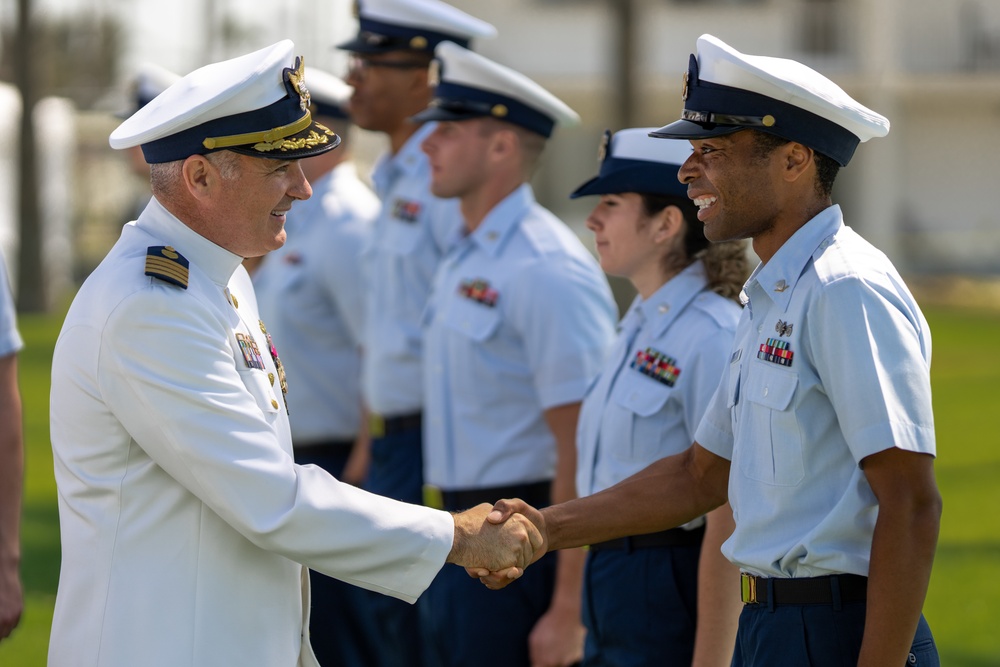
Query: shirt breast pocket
{"x": 259, "y": 385}
{"x": 773, "y": 450}
{"x": 401, "y": 238}
{"x": 646, "y": 399}
{"x": 473, "y": 320}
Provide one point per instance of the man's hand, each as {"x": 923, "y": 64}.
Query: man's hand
{"x": 502, "y": 513}
{"x": 11, "y": 600}
{"x": 504, "y": 548}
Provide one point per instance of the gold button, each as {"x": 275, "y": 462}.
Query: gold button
{"x": 274, "y": 404}
{"x": 418, "y": 43}
{"x": 499, "y": 110}
{"x": 270, "y": 376}
{"x": 768, "y": 120}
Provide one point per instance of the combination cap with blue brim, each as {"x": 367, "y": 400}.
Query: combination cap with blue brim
{"x": 257, "y": 104}
{"x": 148, "y": 81}
{"x": 412, "y": 25}
{"x": 633, "y": 161}
{"x": 726, "y": 91}
{"x": 329, "y": 94}
{"x": 473, "y": 86}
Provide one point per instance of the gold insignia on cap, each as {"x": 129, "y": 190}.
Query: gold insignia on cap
{"x": 684, "y": 88}
{"x": 418, "y": 43}
{"x": 272, "y": 135}
{"x": 602, "y": 148}
{"x": 356, "y": 8}
{"x": 767, "y": 121}
{"x": 434, "y": 73}
{"x": 166, "y": 264}
{"x": 499, "y": 110}
{"x": 297, "y": 77}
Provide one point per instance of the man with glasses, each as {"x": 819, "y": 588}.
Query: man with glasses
{"x": 389, "y": 63}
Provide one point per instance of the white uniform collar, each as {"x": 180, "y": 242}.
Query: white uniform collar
{"x": 215, "y": 261}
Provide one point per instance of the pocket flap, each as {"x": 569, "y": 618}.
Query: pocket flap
{"x": 771, "y": 386}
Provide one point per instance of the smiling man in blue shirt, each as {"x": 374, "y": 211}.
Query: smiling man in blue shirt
{"x": 821, "y": 433}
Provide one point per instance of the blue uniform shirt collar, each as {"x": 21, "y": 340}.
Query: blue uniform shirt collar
{"x": 503, "y": 219}
{"x": 407, "y": 161}
{"x": 214, "y": 261}
{"x": 778, "y": 277}
{"x": 668, "y": 302}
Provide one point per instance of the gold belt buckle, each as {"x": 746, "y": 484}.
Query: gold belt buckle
{"x": 748, "y": 588}
{"x": 376, "y": 425}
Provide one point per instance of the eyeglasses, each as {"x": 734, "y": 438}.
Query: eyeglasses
{"x": 359, "y": 65}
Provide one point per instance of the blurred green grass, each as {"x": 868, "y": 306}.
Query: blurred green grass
{"x": 963, "y": 604}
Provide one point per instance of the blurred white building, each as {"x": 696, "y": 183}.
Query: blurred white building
{"x": 926, "y": 194}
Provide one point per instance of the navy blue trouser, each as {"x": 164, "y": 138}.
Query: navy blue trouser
{"x": 397, "y": 471}
{"x": 640, "y": 606}
{"x": 814, "y": 636}
{"x": 342, "y": 627}
{"x": 458, "y": 613}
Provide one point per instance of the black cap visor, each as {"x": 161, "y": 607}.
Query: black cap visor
{"x": 685, "y": 129}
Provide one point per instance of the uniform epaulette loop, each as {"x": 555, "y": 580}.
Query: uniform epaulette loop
{"x": 168, "y": 265}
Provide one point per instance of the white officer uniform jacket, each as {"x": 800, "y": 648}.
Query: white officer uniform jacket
{"x": 183, "y": 517}
{"x": 661, "y": 374}
{"x": 411, "y": 236}
{"x": 311, "y": 294}
{"x": 520, "y": 321}
{"x": 10, "y": 339}
{"x": 831, "y": 364}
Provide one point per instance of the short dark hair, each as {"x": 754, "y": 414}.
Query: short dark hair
{"x": 826, "y": 167}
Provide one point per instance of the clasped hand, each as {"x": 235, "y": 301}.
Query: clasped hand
{"x": 495, "y": 544}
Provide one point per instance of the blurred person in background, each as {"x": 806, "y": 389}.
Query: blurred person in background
{"x": 389, "y": 61}
{"x": 149, "y": 81}
{"x": 185, "y": 524}
{"x": 11, "y": 462}
{"x": 672, "y": 349}
{"x": 518, "y": 325}
{"x": 311, "y": 293}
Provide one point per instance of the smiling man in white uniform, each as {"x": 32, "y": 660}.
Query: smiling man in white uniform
{"x": 185, "y": 523}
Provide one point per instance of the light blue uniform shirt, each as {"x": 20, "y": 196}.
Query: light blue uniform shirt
{"x": 520, "y": 321}
{"x": 311, "y": 295}
{"x": 831, "y": 364}
{"x": 10, "y": 339}
{"x": 410, "y": 237}
{"x": 663, "y": 370}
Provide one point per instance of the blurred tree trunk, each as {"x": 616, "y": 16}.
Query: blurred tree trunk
{"x": 623, "y": 69}
{"x": 30, "y": 271}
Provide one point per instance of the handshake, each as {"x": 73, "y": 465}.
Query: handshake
{"x": 495, "y": 544}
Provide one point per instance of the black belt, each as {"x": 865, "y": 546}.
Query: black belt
{"x": 401, "y": 424}
{"x": 834, "y": 589}
{"x": 538, "y": 494}
{"x": 675, "y": 537}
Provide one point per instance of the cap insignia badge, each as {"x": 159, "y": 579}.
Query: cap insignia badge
{"x": 297, "y": 77}
{"x": 684, "y": 88}
{"x": 602, "y": 148}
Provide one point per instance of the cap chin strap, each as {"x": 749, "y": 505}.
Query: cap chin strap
{"x": 267, "y": 136}
{"x": 702, "y": 117}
